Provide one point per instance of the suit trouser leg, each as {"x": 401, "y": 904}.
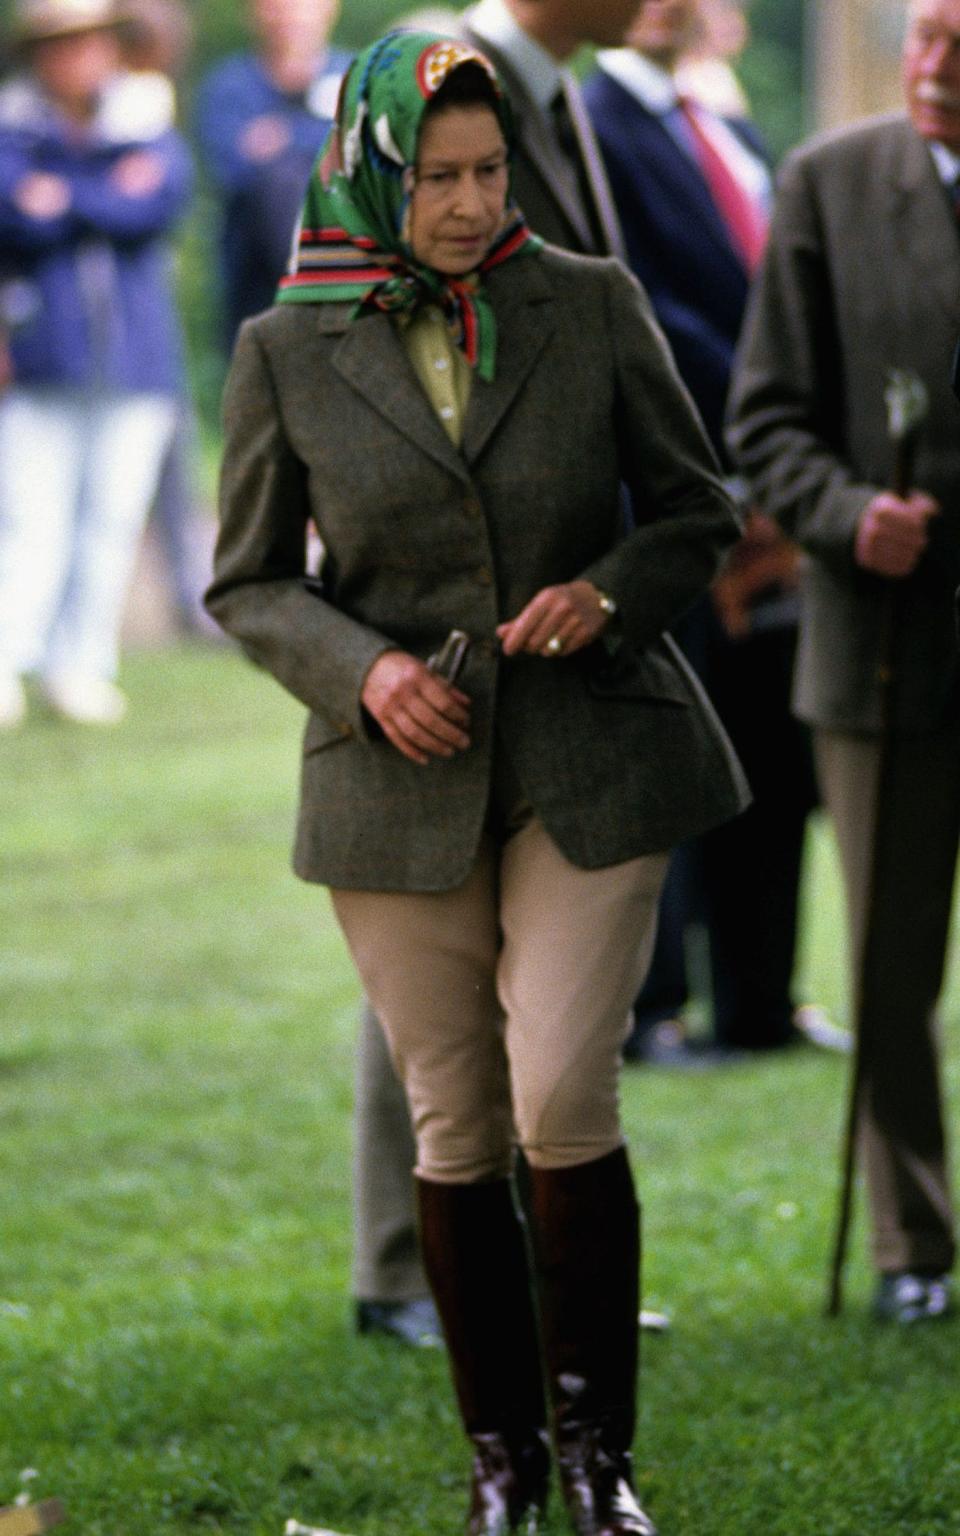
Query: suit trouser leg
{"x": 386, "y": 1250}
{"x": 751, "y": 865}
{"x": 902, "y": 1128}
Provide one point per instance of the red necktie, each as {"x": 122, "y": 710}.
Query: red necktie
{"x": 745, "y": 223}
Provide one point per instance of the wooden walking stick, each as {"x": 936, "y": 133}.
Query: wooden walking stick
{"x": 907, "y": 407}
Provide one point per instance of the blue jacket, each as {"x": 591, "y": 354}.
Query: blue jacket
{"x": 89, "y": 293}
{"x": 676, "y": 242}
{"x": 261, "y": 199}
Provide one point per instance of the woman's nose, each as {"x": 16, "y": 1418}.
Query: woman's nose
{"x": 469, "y": 199}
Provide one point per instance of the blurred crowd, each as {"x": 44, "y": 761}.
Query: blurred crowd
{"x": 98, "y": 161}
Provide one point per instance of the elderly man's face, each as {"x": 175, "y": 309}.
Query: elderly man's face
{"x": 664, "y": 28}
{"x": 931, "y": 70}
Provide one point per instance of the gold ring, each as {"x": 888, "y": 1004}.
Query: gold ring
{"x": 554, "y": 646}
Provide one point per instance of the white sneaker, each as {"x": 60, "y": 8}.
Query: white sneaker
{"x": 86, "y": 700}
{"x": 815, "y": 1025}
{"x": 13, "y": 701}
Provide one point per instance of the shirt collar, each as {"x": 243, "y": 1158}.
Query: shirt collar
{"x": 947, "y": 163}
{"x": 539, "y": 70}
{"x": 652, "y": 86}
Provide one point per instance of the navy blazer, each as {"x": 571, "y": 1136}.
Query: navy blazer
{"x": 676, "y": 241}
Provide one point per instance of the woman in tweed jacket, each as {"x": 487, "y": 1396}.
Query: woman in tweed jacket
{"x": 456, "y": 408}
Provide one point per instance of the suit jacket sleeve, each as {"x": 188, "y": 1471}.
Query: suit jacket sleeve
{"x": 787, "y": 408}
{"x": 684, "y": 518}
{"x": 259, "y": 593}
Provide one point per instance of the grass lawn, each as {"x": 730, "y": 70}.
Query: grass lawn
{"x": 175, "y": 1092}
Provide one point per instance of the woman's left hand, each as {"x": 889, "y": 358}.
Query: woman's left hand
{"x": 557, "y": 622}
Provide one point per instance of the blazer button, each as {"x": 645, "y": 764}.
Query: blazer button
{"x": 471, "y": 507}
{"x": 344, "y": 729}
{"x": 484, "y": 576}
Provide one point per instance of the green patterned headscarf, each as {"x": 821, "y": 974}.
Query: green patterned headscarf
{"x": 353, "y": 238}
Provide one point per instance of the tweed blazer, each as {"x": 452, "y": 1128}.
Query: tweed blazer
{"x": 326, "y": 421}
{"x": 862, "y": 275}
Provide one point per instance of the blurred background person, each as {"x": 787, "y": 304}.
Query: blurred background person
{"x": 706, "y": 69}
{"x": 157, "y": 38}
{"x": 692, "y": 191}
{"x": 261, "y": 118}
{"x": 558, "y": 172}
{"x": 85, "y": 207}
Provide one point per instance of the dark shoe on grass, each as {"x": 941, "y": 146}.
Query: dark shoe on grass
{"x": 669, "y": 1046}
{"x": 414, "y": 1323}
{"x": 906, "y": 1298}
{"x": 814, "y": 1025}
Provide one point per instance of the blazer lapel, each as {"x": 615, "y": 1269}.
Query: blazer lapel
{"x": 373, "y": 361}
{"x": 923, "y": 221}
{"x": 595, "y": 171}
{"x": 536, "y": 135}
{"x": 523, "y": 307}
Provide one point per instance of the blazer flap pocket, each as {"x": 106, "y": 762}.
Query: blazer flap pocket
{"x": 652, "y": 675}
{"x": 321, "y": 733}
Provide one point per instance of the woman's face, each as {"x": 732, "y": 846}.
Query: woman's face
{"x": 459, "y": 189}
{"x": 75, "y": 68}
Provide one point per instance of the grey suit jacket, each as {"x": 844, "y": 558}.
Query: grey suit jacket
{"x": 545, "y": 184}
{"x": 862, "y": 274}
{"x": 325, "y": 420}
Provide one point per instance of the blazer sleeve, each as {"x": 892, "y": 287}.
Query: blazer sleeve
{"x": 261, "y": 593}
{"x": 684, "y": 519}
{"x": 786, "y": 408}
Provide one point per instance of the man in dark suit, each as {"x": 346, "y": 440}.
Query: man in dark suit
{"x": 558, "y": 175}
{"x": 559, "y": 182}
{"x": 692, "y": 192}
{"x": 863, "y": 275}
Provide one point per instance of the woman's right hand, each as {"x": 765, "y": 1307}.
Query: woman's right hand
{"x": 422, "y": 715}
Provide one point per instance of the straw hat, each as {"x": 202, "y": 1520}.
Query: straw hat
{"x": 35, "y": 20}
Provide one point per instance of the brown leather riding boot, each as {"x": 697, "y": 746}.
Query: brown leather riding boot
{"x": 586, "y": 1238}
{"x": 475, "y": 1256}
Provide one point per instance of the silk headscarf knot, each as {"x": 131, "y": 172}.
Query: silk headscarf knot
{"x": 352, "y": 241}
